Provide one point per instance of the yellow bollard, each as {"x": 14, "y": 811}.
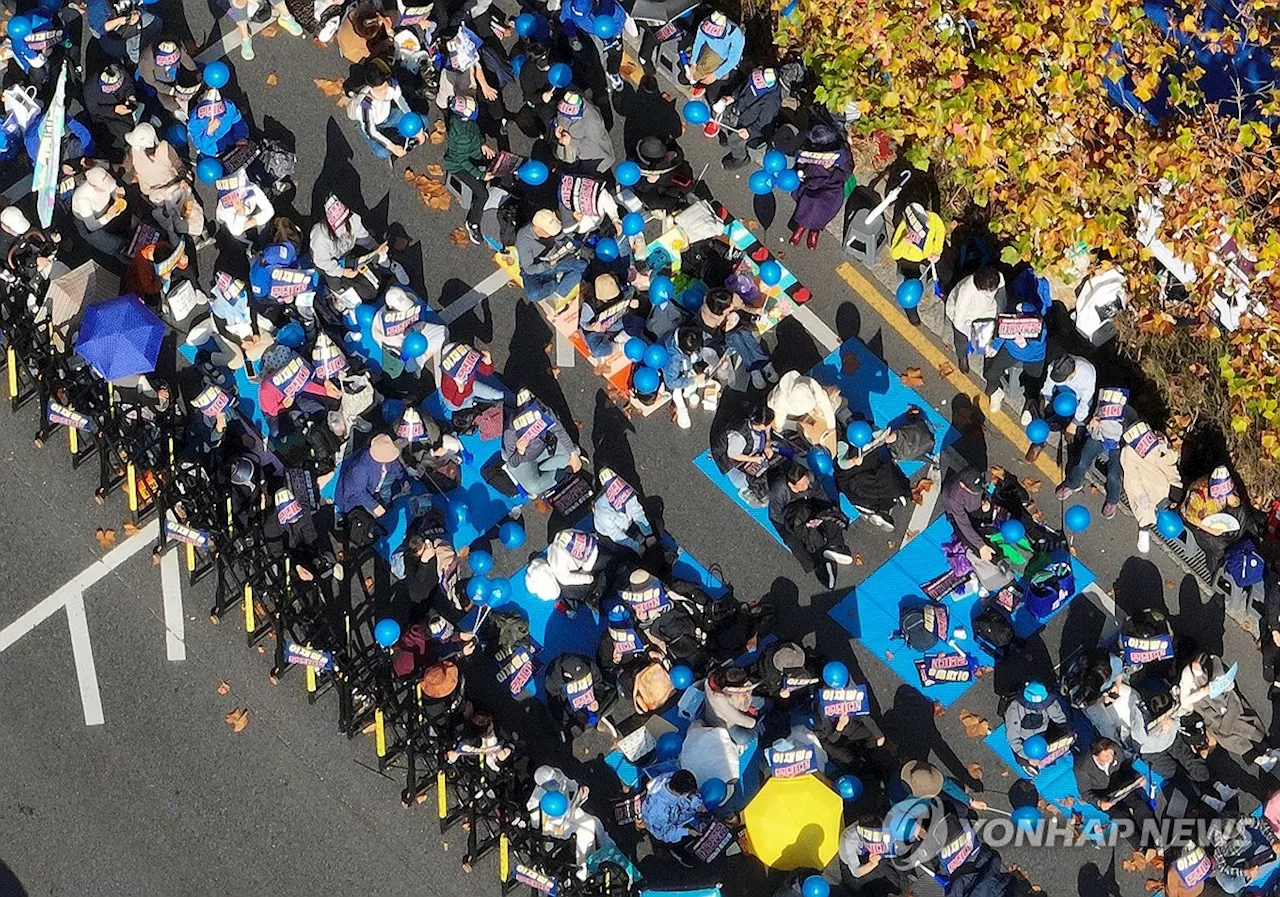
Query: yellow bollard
{"x": 250, "y": 623}
{"x": 311, "y": 680}
{"x": 379, "y": 734}
{"x": 504, "y": 859}
{"x": 73, "y": 440}
{"x": 13, "y": 373}
{"x": 191, "y": 557}
{"x": 131, "y": 476}
{"x": 442, "y": 796}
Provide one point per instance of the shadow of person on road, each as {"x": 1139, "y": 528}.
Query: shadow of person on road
{"x": 909, "y": 725}
{"x": 529, "y": 366}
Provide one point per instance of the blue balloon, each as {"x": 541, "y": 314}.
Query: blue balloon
{"x": 1076, "y": 518}
{"x": 860, "y": 433}
{"x": 816, "y": 886}
{"x": 526, "y": 22}
{"x": 1027, "y": 818}
{"x": 788, "y": 180}
{"x": 480, "y": 560}
{"x": 627, "y": 173}
{"x": 386, "y": 632}
{"x": 1064, "y": 403}
{"x": 774, "y": 161}
{"x": 632, "y": 224}
{"x": 500, "y": 590}
{"x": 410, "y": 125}
{"x": 849, "y": 787}
{"x": 605, "y": 27}
{"x": 18, "y": 27}
{"x": 511, "y": 534}
{"x": 365, "y": 315}
{"x": 820, "y": 461}
{"x": 560, "y": 75}
{"x": 176, "y": 134}
{"x": 681, "y": 676}
{"x": 1037, "y": 431}
{"x": 208, "y": 170}
{"x": 656, "y": 356}
{"x": 414, "y": 345}
{"x": 634, "y": 349}
{"x": 607, "y": 249}
{"x": 1169, "y": 524}
{"x": 697, "y": 112}
{"x": 662, "y": 289}
{"x": 217, "y": 74}
{"x": 460, "y": 512}
{"x": 835, "y": 674}
{"x": 713, "y": 792}
{"x": 291, "y": 335}
{"x": 646, "y": 381}
{"x": 1013, "y": 531}
{"x": 1035, "y": 747}
{"x": 478, "y": 589}
{"x": 533, "y": 172}
{"x": 770, "y": 273}
{"x": 910, "y": 292}
{"x": 553, "y": 804}
{"x": 760, "y": 182}
{"x": 669, "y": 744}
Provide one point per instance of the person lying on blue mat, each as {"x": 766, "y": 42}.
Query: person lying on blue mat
{"x": 810, "y": 523}
{"x": 536, "y": 448}
{"x": 1034, "y": 712}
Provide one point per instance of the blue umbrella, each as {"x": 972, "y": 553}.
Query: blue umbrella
{"x": 120, "y": 337}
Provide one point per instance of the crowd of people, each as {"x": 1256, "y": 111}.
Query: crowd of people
{"x": 306, "y": 350}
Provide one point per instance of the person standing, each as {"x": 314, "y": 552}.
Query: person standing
{"x": 244, "y": 12}
{"x": 825, "y": 165}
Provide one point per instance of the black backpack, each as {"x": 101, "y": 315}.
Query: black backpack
{"x": 993, "y": 627}
{"x": 912, "y": 628}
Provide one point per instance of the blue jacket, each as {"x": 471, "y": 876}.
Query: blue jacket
{"x": 359, "y": 479}
{"x": 231, "y": 127}
{"x": 580, "y": 15}
{"x": 729, "y": 48}
{"x": 1028, "y": 295}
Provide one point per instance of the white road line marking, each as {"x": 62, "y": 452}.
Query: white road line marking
{"x": 817, "y": 328}
{"x": 474, "y": 296}
{"x": 175, "y": 628}
{"x": 86, "y": 670}
{"x": 566, "y": 355}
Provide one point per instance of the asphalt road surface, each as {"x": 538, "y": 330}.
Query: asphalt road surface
{"x": 162, "y": 797}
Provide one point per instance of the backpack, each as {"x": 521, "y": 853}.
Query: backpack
{"x": 913, "y": 627}
{"x": 916, "y": 438}
{"x": 1243, "y": 564}
{"x": 1051, "y": 584}
{"x": 993, "y": 628}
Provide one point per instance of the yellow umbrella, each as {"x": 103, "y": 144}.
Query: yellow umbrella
{"x": 794, "y": 823}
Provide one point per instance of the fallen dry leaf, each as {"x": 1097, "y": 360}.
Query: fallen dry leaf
{"x": 273, "y": 79}
{"x": 435, "y": 170}
{"x": 909, "y": 535}
{"x": 1068, "y": 802}
{"x": 106, "y": 538}
{"x": 938, "y": 710}
{"x": 984, "y": 672}
{"x": 1135, "y": 863}
{"x": 857, "y": 560}
{"x": 1004, "y": 773}
{"x": 752, "y": 224}
{"x": 223, "y": 688}
{"x": 1153, "y": 884}
{"x": 1168, "y": 583}
{"x": 270, "y": 31}
{"x": 130, "y": 530}
{"x": 914, "y": 377}
{"x": 458, "y": 236}
{"x": 920, "y": 490}
{"x": 237, "y": 719}
{"x": 849, "y": 363}
{"x": 974, "y": 725}
{"x": 1094, "y": 490}
{"x": 946, "y": 369}
{"x": 262, "y": 650}
{"x": 330, "y": 87}
{"x": 437, "y": 133}
{"x": 1031, "y": 484}
{"x": 975, "y": 771}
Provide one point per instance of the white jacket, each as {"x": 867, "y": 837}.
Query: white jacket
{"x": 966, "y": 304}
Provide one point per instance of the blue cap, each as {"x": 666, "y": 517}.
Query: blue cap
{"x": 1035, "y": 693}
{"x": 618, "y": 613}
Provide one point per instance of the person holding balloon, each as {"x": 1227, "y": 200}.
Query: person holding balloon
{"x": 1151, "y": 480}
{"x": 824, "y": 165}
{"x": 749, "y": 113}
{"x": 1033, "y": 712}
{"x": 1068, "y": 393}
{"x": 388, "y": 125}
{"x": 561, "y": 816}
{"x": 1104, "y": 435}
{"x": 917, "y": 244}
{"x": 602, "y": 21}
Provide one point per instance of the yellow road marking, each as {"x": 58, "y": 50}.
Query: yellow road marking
{"x": 893, "y": 316}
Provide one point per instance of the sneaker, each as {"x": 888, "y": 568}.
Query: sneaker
{"x": 1225, "y": 793}
{"x": 757, "y": 379}
{"x": 399, "y": 273}
{"x": 290, "y": 24}
{"x": 751, "y": 499}
{"x": 615, "y": 83}
{"x": 1025, "y": 418}
{"x": 682, "y": 416}
{"x": 1266, "y": 762}
{"x": 473, "y": 233}
{"x": 1214, "y": 803}
{"x": 770, "y": 372}
{"x": 246, "y": 49}
{"x": 733, "y": 163}
{"x": 338, "y": 572}
{"x": 1144, "y": 541}
{"x": 882, "y": 522}
{"x": 1063, "y": 492}
{"x": 1109, "y": 510}
{"x": 698, "y": 91}
{"x": 828, "y": 574}
{"x": 843, "y": 558}
{"x": 995, "y": 400}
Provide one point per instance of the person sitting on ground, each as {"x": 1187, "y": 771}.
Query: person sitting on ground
{"x": 1034, "y": 712}
{"x": 574, "y": 824}
{"x": 369, "y": 479}
{"x": 749, "y": 113}
{"x": 666, "y": 176}
{"x": 549, "y": 264}
{"x": 112, "y": 105}
{"x": 623, "y": 641}
{"x": 575, "y": 691}
{"x": 573, "y": 574}
{"x": 403, "y": 312}
{"x": 216, "y": 124}
{"x": 825, "y": 165}
{"x": 673, "y": 813}
{"x": 428, "y": 452}
{"x": 1150, "y": 475}
{"x": 585, "y": 205}
{"x": 1229, "y": 721}
{"x": 800, "y": 404}
{"x": 971, "y": 308}
{"x": 1217, "y": 515}
{"x": 618, "y": 514}
{"x": 687, "y": 374}
{"x": 377, "y": 107}
{"x": 810, "y": 524}
{"x": 101, "y": 212}
{"x": 366, "y": 33}
{"x": 1104, "y": 433}
{"x": 872, "y": 481}
{"x": 243, "y": 206}
{"x": 1106, "y": 780}
{"x": 729, "y": 323}
{"x": 865, "y": 846}
{"x": 461, "y": 387}
{"x": 343, "y": 249}
{"x": 168, "y": 70}
{"x": 122, "y": 29}
{"x": 536, "y": 448}
{"x": 1077, "y": 377}
{"x": 731, "y": 706}
{"x": 605, "y": 317}
{"x": 715, "y": 55}
{"x": 743, "y": 451}
{"x": 964, "y": 503}
{"x": 582, "y": 141}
